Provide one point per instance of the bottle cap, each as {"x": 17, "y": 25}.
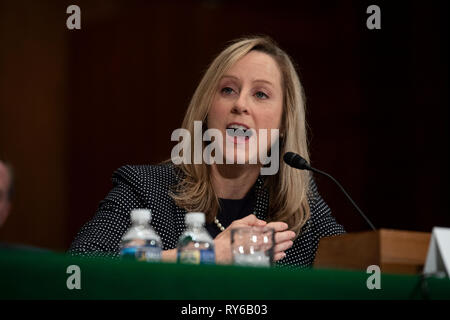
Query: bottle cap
{"x": 141, "y": 216}
{"x": 195, "y": 218}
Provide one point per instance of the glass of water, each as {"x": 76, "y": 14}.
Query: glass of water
{"x": 252, "y": 246}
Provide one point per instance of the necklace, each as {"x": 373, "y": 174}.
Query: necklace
{"x": 219, "y": 225}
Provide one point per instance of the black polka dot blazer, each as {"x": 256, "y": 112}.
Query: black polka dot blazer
{"x": 148, "y": 187}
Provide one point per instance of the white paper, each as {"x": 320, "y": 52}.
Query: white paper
{"x": 438, "y": 257}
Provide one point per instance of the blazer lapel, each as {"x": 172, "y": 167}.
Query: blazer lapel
{"x": 262, "y": 199}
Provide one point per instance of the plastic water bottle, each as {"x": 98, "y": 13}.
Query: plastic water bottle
{"x": 195, "y": 245}
{"x": 141, "y": 242}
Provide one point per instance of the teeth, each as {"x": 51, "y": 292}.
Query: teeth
{"x": 236, "y": 126}
{"x": 236, "y": 130}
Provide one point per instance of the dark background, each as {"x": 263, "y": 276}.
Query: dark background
{"x": 77, "y": 104}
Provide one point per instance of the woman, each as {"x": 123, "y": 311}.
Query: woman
{"x": 251, "y": 85}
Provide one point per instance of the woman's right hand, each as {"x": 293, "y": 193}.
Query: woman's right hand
{"x": 222, "y": 242}
{"x": 283, "y": 238}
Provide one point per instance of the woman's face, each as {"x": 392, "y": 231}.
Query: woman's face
{"x": 249, "y": 96}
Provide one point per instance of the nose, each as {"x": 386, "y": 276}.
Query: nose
{"x": 240, "y": 105}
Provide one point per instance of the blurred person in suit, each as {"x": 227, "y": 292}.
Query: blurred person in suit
{"x": 7, "y": 186}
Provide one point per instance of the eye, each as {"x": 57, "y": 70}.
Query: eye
{"x": 261, "y": 95}
{"x": 227, "y": 90}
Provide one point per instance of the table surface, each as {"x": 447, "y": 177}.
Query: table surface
{"x": 26, "y": 274}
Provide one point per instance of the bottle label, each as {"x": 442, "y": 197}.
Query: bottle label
{"x": 207, "y": 256}
{"x": 203, "y": 256}
{"x": 142, "y": 253}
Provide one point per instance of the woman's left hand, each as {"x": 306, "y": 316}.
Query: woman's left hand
{"x": 284, "y": 239}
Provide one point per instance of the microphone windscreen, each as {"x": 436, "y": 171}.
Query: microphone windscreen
{"x": 288, "y": 157}
{"x": 296, "y": 161}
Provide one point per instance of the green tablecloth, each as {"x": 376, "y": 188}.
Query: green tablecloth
{"x": 37, "y": 275}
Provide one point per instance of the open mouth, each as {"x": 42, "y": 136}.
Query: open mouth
{"x": 238, "y": 130}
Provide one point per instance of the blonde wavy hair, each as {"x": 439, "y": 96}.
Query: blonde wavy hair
{"x": 288, "y": 189}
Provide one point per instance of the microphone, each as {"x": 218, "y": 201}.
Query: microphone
{"x": 296, "y": 161}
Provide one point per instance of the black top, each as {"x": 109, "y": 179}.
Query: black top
{"x": 230, "y": 210}
{"x": 148, "y": 187}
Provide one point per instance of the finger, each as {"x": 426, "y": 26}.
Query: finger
{"x": 279, "y": 256}
{"x": 278, "y": 226}
{"x": 284, "y": 236}
{"x": 283, "y": 246}
{"x": 251, "y": 220}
